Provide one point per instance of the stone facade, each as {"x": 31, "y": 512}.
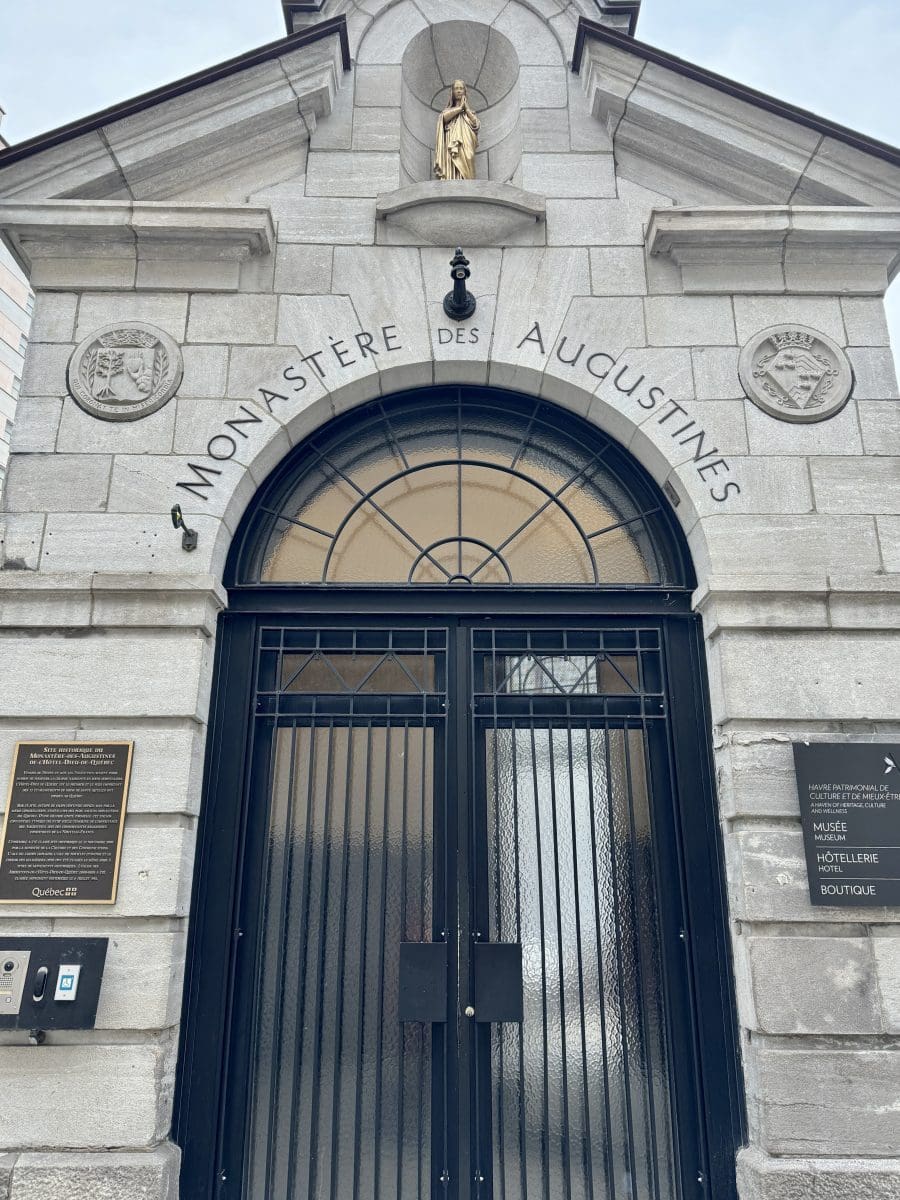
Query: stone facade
{"x": 635, "y": 231}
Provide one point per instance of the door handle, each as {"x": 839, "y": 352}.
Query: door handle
{"x": 498, "y": 982}
{"x": 423, "y": 982}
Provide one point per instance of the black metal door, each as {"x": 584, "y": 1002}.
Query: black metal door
{"x": 569, "y": 801}
{"x": 460, "y": 930}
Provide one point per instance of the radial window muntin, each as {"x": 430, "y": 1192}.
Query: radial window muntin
{"x": 459, "y": 487}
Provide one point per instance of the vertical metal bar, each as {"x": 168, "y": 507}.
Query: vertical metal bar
{"x": 614, "y": 872}
{"x": 478, "y": 927}
{"x": 517, "y": 859}
{"x": 498, "y": 1084}
{"x": 679, "y": 1055}
{"x": 251, "y": 1112}
{"x": 302, "y": 945}
{"x": 566, "y": 1131}
{"x": 610, "y": 1175}
{"x": 320, "y": 991}
{"x": 265, "y": 974}
{"x": 586, "y": 1133}
{"x": 466, "y": 1050}
{"x": 545, "y": 1132}
{"x": 649, "y": 1105}
{"x": 342, "y": 941}
{"x": 203, "y": 1121}
{"x": 445, "y": 1068}
{"x": 363, "y": 945}
{"x": 381, "y": 972}
{"x": 424, "y": 868}
{"x": 404, "y": 933}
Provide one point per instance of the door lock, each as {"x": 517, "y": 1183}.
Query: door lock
{"x": 470, "y": 1011}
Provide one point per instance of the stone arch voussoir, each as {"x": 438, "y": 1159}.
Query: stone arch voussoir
{"x": 300, "y": 419}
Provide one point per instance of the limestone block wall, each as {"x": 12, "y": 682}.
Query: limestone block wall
{"x": 107, "y": 627}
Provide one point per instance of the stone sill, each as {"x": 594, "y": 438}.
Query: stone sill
{"x": 143, "y": 231}
{"x": 779, "y": 248}
{"x": 469, "y": 212}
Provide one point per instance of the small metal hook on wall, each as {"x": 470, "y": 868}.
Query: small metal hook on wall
{"x": 189, "y": 537}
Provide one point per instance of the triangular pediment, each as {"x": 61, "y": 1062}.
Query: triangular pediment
{"x": 704, "y": 139}
{"x": 220, "y": 134}
{"x": 243, "y": 129}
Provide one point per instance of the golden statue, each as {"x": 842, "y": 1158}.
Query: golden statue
{"x": 457, "y": 137}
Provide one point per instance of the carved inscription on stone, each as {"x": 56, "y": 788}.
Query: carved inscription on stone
{"x": 125, "y": 372}
{"x": 795, "y": 374}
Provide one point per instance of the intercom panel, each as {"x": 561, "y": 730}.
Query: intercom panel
{"x": 50, "y": 983}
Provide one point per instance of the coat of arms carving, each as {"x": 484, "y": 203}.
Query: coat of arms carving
{"x": 125, "y": 372}
{"x": 796, "y": 374}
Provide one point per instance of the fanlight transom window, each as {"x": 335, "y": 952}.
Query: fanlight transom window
{"x": 463, "y": 487}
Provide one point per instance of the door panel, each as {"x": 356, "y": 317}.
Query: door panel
{"x": 339, "y": 1102}
{"x": 580, "y": 1105}
{"x": 580, "y": 1093}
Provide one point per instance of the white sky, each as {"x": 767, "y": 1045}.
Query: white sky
{"x": 61, "y": 59}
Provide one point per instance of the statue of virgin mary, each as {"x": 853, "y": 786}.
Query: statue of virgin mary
{"x": 457, "y": 137}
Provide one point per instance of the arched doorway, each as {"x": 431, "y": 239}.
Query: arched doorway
{"x": 458, "y": 928}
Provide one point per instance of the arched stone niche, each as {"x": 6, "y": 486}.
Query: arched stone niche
{"x": 488, "y": 62}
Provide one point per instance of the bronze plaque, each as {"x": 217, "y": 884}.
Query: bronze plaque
{"x": 65, "y": 815}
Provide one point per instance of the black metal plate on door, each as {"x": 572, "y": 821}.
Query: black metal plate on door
{"x": 423, "y": 982}
{"x": 498, "y": 981}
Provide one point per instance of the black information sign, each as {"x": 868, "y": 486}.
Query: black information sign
{"x": 62, "y": 839}
{"x": 850, "y": 808}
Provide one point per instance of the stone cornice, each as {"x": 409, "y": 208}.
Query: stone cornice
{"x": 206, "y": 129}
{"x": 798, "y": 602}
{"x": 620, "y": 14}
{"x": 336, "y": 27}
{"x": 140, "y": 236}
{"x": 50, "y": 601}
{"x": 240, "y": 230}
{"x": 702, "y": 138}
{"x": 780, "y": 248}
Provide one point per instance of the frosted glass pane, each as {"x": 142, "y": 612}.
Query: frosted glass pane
{"x": 340, "y": 1103}
{"x": 460, "y": 494}
{"x": 580, "y": 1099}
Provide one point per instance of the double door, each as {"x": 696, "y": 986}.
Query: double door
{"x": 460, "y": 968}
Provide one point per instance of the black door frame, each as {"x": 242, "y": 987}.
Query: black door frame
{"x": 216, "y": 935}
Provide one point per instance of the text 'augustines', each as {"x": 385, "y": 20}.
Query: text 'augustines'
{"x": 330, "y": 362}
{"x": 681, "y": 428}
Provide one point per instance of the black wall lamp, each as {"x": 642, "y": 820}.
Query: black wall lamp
{"x": 188, "y": 536}
{"x": 460, "y": 303}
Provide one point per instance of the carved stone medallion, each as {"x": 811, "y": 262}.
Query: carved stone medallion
{"x": 795, "y": 374}
{"x": 125, "y": 372}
